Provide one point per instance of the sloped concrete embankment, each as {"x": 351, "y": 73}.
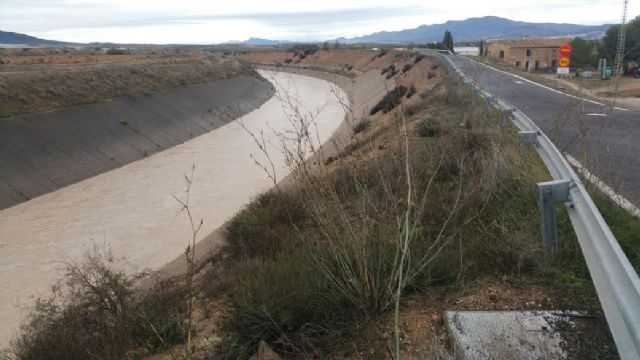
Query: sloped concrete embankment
{"x": 43, "y": 152}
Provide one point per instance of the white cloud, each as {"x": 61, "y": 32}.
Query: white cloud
{"x": 203, "y": 21}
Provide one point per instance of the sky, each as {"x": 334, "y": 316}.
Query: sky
{"x": 215, "y": 21}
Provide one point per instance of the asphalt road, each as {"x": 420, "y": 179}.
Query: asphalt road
{"x": 604, "y": 138}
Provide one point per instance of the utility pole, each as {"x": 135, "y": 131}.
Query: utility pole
{"x": 618, "y": 62}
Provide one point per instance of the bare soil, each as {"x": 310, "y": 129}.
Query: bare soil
{"x": 38, "y": 80}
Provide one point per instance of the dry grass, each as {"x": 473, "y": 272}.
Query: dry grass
{"x": 60, "y": 81}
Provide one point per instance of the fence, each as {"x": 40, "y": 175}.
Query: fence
{"x": 615, "y": 280}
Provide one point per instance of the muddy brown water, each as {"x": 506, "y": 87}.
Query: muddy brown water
{"x": 131, "y": 210}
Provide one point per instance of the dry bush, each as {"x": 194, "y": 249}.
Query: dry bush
{"x": 390, "y": 100}
{"x": 95, "y": 313}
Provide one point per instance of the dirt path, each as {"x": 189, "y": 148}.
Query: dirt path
{"x": 131, "y": 208}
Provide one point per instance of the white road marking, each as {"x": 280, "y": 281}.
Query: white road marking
{"x": 619, "y": 108}
{"x": 538, "y": 84}
{"x": 596, "y": 114}
{"x": 606, "y": 189}
{"x": 519, "y": 82}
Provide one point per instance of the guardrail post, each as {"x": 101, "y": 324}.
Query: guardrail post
{"x": 549, "y": 194}
{"x": 527, "y": 137}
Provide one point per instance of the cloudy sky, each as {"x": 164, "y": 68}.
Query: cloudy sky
{"x": 213, "y": 21}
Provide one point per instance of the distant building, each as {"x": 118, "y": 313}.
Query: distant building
{"x": 528, "y": 54}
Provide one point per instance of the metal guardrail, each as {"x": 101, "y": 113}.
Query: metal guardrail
{"x": 615, "y": 280}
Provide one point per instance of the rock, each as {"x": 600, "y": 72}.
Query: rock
{"x": 265, "y": 353}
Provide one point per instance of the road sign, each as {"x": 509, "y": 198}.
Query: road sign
{"x": 564, "y": 62}
{"x": 566, "y": 50}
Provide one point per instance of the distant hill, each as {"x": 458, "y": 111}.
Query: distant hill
{"x": 22, "y": 39}
{"x": 258, "y": 41}
{"x": 473, "y": 29}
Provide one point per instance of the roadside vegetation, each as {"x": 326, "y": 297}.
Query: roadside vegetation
{"x": 322, "y": 268}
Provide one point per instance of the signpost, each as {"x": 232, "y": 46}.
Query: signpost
{"x": 564, "y": 61}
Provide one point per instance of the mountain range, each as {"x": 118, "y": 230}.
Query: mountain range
{"x": 472, "y": 29}
{"x": 22, "y": 39}
{"x": 481, "y": 28}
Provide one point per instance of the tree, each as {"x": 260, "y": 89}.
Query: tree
{"x": 609, "y": 43}
{"x": 448, "y": 40}
{"x": 584, "y": 53}
{"x": 325, "y": 46}
{"x": 435, "y": 45}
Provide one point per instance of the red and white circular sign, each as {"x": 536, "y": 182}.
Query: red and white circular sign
{"x": 566, "y": 50}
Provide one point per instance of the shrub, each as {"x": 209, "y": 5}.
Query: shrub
{"x": 97, "y": 314}
{"x": 264, "y": 227}
{"x": 429, "y": 128}
{"x": 412, "y": 91}
{"x": 418, "y": 59}
{"x": 361, "y": 126}
{"x": 389, "y": 69}
{"x": 390, "y": 100}
{"x": 116, "y": 52}
{"x": 275, "y": 297}
{"x": 414, "y": 109}
{"x": 406, "y": 67}
{"x": 302, "y": 50}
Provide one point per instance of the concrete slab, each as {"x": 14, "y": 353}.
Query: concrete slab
{"x": 508, "y": 334}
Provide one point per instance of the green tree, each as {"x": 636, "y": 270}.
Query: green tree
{"x": 609, "y": 43}
{"x": 435, "y": 45}
{"x": 448, "y": 40}
{"x": 584, "y": 53}
{"x": 325, "y": 46}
